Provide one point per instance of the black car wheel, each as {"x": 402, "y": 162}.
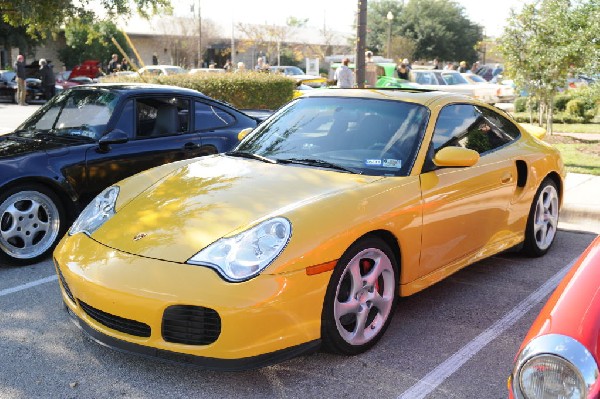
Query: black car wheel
{"x": 32, "y": 220}
{"x": 542, "y": 222}
{"x": 360, "y": 297}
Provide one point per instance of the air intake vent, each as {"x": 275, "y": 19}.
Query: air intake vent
{"x": 126, "y": 326}
{"x": 191, "y": 325}
{"x": 64, "y": 284}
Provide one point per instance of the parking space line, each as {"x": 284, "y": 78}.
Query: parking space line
{"x": 28, "y": 285}
{"x": 438, "y": 375}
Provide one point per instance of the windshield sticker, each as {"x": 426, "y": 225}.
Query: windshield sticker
{"x": 392, "y": 163}
{"x": 373, "y": 162}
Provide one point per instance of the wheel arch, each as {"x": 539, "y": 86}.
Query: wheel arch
{"x": 392, "y": 241}
{"x": 67, "y": 202}
{"x": 555, "y": 177}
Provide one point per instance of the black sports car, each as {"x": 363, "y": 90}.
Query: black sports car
{"x": 90, "y": 137}
{"x": 8, "y": 87}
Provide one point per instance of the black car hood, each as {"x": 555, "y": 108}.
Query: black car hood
{"x": 12, "y": 145}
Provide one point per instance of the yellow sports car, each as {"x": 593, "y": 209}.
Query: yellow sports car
{"x": 304, "y": 235}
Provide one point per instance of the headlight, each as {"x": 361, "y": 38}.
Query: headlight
{"x": 243, "y": 256}
{"x": 554, "y": 366}
{"x": 97, "y": 212}
{"x": 549, "y": 376}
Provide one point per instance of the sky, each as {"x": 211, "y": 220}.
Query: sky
{"x": 338, "y": 15}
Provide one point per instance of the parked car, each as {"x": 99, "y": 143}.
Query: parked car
{"x": 299, "y": 76}
{"x": 161, "y": 70}
{"x": 560, "y": 356}
{"x": 504, "y": 92}
{"x": 8, "y": 87}
{"x": 90, "y": 137}
{"x": 71, "y": 82}
{"x": 304, "y": 235}
{"x": 90, "y": 69}
{"x": 454, "y": 82}
{"x": 206, "y": 70}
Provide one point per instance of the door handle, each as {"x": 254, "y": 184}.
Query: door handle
{"x": 506, "y": 178}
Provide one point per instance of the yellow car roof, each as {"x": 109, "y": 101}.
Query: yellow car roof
{"x": 420, "y": 96}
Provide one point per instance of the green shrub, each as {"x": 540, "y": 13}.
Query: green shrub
{"x": 561, "y": 100}
{"x": 575, "y": 108}
{"x": 522, "y": 104}
{"x": 565, "y": 117}
{"x": 249, "y": 90}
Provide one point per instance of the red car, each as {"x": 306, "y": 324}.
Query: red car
{"x": 90, "y": 68}
{"x": 560, "y": 355}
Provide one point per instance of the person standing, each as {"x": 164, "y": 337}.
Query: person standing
{"x": 370, "y": 70}
{"x": 21, "y": 87}
{"x": 113, "y": 65}
{"x": 344, "y": 77}
{"x": 125, "y": 65}
{"x": 403, "y": 72}
{"x": 48, "y": 79}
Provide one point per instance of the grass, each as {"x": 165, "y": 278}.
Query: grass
{"x": 579, "y": 155}
{"x": 576, "y": 127}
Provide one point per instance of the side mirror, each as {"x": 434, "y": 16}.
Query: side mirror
{"x": 116, "y": 136}
{"x": 244, "y": 133}
{"x": 455, "y": 157}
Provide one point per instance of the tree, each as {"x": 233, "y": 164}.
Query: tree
{"x": 39, "y": 17}
{"x": 16, "y": 37}
{"x": 88, "y": 40}
{"x": 439, "y": 28}
{"x": 546, "y": 40}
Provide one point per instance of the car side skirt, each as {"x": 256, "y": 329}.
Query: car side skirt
{"x": 208, "y": 363}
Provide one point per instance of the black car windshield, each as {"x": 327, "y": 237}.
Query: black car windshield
{"x": 82, "y": 113}
{"x": 367, "y": 136}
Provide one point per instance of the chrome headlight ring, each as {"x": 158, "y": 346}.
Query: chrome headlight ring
{"x": 554, "y": 353}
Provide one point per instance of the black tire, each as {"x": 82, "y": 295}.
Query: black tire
{"x": 32, "y": 221}
{"x": 368, "y": 304}
{"x": 542, "y": 223}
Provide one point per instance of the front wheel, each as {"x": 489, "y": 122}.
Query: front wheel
{"x": 542, "y": 223}
{"x": 360, "y": 297}
{"x": 31, "y": 222}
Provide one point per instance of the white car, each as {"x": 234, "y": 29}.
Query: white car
{"x": 505, "y": 92}
{"x": 161, "y": 70}
{"x": 206, "y": 70}
{"x": 454, "y": 82}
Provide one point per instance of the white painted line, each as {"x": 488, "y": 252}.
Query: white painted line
{"x": 28, "y": 285}
{"x": 438, "y": 375}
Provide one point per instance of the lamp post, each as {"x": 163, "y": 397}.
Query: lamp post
{"x": 390, "y": 17}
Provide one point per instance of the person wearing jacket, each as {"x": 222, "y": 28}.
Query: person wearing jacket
{"x": 48, "y": 79}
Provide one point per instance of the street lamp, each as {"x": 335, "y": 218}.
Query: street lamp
{"x": 390, "y": 17}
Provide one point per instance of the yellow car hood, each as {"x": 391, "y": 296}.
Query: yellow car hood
{"x": 214, "y": 197}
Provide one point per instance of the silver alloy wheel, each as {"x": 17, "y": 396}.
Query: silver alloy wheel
{"x": 364, "y": 298}
{"x": 29, "y": 224}
{"x": 545, "y": 221}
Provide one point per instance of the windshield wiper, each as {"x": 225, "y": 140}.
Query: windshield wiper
{"x": 250, "y": 155}
{"x": 319, "y": 163}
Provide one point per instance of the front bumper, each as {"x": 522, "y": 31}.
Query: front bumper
{"x": 122, "y": 301}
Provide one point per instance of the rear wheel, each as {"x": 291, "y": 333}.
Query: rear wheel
{"x": 32, "y": 220}
{"x": 542, "y": 223}
{"x": 360, "y": 297}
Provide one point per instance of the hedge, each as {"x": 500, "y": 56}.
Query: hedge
{"x": 248, "y": 90}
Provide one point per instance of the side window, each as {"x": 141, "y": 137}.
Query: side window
{"x": 208, "y": 116}
{"x": 452, "y": 124}
{"x": 470, "y": 127}
{"x": 125, "y": 121}
{"x": 162, "y": 116}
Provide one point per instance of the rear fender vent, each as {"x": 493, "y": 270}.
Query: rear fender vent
{"x": 191, "y": 325}
{"x": 521, "y": 173}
